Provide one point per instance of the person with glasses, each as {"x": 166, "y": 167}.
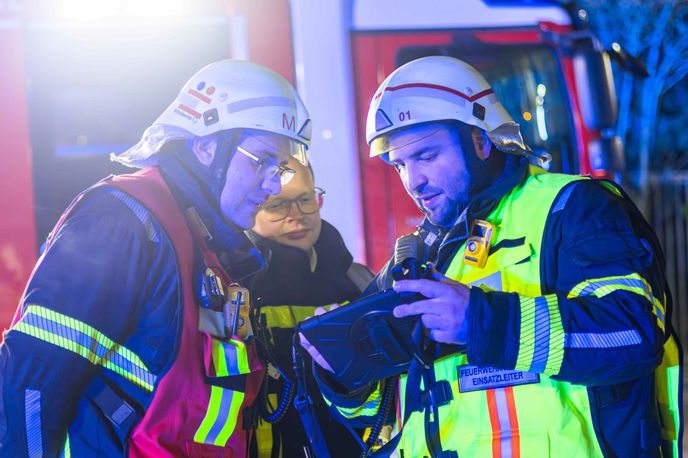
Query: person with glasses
{"x": 309, "y": 267}
{"x": 132, "y": 337}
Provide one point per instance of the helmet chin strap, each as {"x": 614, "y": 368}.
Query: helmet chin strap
{"x": 210, "y": 178}
{"x": 226, "y": 147}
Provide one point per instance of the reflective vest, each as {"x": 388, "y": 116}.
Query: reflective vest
{"x": 535, "y": 415}
{"x": 198, "y": 403}
{"x": 194, "y": 411}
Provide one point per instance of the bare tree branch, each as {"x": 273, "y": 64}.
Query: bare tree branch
{"x": 657, "y": 31}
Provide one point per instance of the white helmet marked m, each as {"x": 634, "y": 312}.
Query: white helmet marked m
{"x": 228, "y": 94}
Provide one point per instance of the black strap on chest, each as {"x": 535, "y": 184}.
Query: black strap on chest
{"x": 434, "y": 395}
{"x": 304, "y": 406}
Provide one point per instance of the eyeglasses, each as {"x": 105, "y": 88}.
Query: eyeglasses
{"x": 268, "y": 168}
{"x": 308, "y": 203}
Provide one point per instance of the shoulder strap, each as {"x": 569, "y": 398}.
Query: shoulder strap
{"x": 149, "y": 188}
{"x": 304, "y": 406}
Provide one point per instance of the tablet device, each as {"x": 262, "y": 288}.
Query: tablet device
{"x": 362, "y": 341}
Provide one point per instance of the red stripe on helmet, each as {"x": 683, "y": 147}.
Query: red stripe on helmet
{"x": 191, "y": 111}
{"x": 200, "y": 96}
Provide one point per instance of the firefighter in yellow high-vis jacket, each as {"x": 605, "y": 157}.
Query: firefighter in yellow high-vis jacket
{"x": 553, "y": 334}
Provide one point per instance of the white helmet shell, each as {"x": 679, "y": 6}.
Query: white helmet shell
{"x": 228, "y": 94}
{"x": 438, "y": 88}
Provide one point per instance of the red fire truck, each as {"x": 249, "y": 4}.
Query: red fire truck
{"x": 79, "y": 83}
{"x": 553, "y": 79}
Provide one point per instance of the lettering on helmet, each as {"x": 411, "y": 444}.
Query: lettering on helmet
{"x": 187, "y": 113}
{"x": 287, "y": 123}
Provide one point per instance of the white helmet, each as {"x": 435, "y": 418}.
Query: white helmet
{"x": 228, "y": 94}
{"x": 439, "y": 88}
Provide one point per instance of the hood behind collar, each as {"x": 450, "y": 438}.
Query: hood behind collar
{"x": 236, "y": 252}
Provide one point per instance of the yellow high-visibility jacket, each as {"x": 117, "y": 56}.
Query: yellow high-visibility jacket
{"x": 570, "y": 352}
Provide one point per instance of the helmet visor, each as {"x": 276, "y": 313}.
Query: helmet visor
{"x": 274, "y": 145}
{"x": 404, "y": 137}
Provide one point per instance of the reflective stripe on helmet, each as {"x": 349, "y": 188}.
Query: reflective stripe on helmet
{"x": 434, "y": 88}
{"x": 440, "y": 88}
{"x": 225, "y": 95}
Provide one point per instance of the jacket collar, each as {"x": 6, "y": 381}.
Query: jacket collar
{"x": 439, "y": 239}
{"x": 330, "y": 248}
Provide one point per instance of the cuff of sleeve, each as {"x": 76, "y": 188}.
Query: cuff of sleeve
{"x": 493, "y": 320}
{"x": 337, "y": 393}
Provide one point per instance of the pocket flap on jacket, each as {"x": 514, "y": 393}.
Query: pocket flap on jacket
{"x": 225, "y": 358}
{"x": 606, "y": 246}
{"x": 508, "y": 256}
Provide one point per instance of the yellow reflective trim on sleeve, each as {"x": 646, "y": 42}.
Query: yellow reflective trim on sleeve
{"x": 264, "y": 440}
{"x": 525, "y": 347}
{"x": 286, "y": 316}
{"x": 541, "y": 339}
{"x": 556, "y": 337}
{"x": 634, "y": 283}
{"x": 78, "y": 337}
{"x": 66, "y": 452}
{"x": 668, "y": 381}
{"x": 368, "y": 408}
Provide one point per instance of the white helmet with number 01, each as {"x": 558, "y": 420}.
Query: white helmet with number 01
{"x": 439, "y": 88}
{"x": 228, "y": 94}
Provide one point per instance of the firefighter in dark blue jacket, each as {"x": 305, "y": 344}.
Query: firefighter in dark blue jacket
{"x": 132, "y": 337}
